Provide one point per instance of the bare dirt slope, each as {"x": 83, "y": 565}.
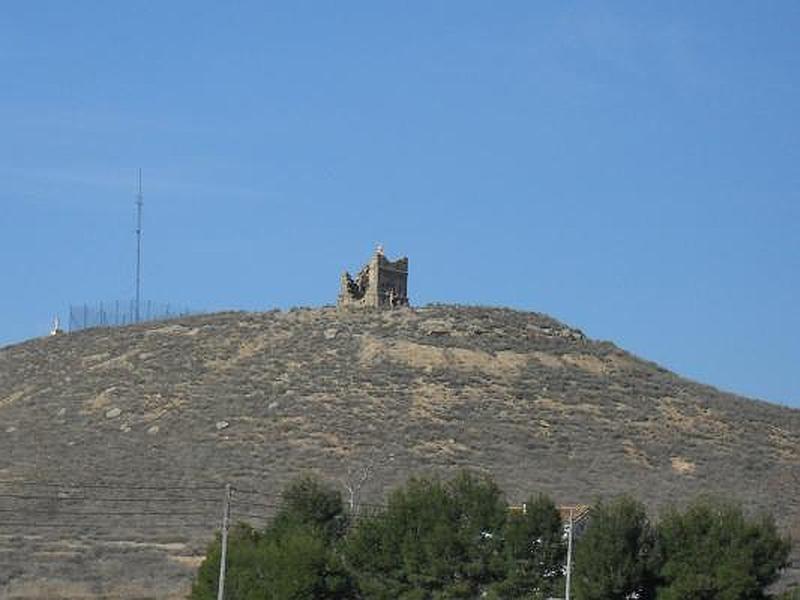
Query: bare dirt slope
{"x": 115, "y": 443}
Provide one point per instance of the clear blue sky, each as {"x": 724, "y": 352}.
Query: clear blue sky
{"x": 631, "y": 168}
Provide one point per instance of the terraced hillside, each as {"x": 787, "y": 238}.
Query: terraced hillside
{"x": 115, "y": 443}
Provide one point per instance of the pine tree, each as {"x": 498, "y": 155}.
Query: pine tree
{"x": 615, "y": 559}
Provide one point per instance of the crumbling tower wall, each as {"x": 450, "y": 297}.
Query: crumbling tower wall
{"x": 381, "y": 283}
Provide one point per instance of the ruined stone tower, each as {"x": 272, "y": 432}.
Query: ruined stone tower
{"x": 381, "y": 283}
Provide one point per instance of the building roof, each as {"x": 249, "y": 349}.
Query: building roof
{"x": 579, "y": 511}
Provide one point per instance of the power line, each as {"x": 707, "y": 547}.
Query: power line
{"x": 116, "y": 513}
{"x": 109, "y": 486}
{"x": 270, "y": 505}
{"x": 83, "y": 524}
{"x": 144, "y": 500}
{"x": 248, "y": 491}
{"x": 278, "y": 504}
{"x": 98, "y": 499}
{"x": 235, "y": 515}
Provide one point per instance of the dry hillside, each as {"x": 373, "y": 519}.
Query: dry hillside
{"x": 115, "y": 443}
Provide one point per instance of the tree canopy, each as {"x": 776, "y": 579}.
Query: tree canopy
{"x": 293, "y": 558}
{"x": 446, "y": 540}
{"x": 712, "y": 551}
{"x": 615, "y": 558}
{"x": 458, "y": 539}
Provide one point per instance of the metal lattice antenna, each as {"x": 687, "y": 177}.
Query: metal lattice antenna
{"x": 139, "y": 204}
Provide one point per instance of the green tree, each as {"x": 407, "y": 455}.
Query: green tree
{"x": 712, "y": 551}
{"x": 615, "y": 559}
{"x": 242, "y": 563}
{"x": 435, "y": 540}
{"x": 308, "y": 501}
{"x": 533, "y": 552}
{"x": 295, "y": 557}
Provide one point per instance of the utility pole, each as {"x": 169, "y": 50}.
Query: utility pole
{"x": 139, "y": 204}
{"x": 569, "y": 555}
{"x": 226, "y": 515}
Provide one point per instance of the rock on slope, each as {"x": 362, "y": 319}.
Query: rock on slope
{"x": 115, "y": 443}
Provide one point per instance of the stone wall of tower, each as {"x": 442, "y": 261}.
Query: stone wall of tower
{"x": 382, "y": 283}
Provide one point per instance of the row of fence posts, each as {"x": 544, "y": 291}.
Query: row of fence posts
{"x": 118, "y": 314}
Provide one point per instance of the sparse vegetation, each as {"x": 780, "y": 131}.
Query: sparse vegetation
{"x": 437, "y": 389}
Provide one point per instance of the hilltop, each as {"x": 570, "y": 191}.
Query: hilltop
{"x": 158, "y": 417}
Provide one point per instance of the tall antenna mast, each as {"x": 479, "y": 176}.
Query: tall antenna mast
{"x": 139, "y": 204}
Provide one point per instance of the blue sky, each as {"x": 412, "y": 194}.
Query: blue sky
{"x": 630, "y": 168}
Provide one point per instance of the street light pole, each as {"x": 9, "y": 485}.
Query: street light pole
{"x": 226, "y": 515}
{"x": 569, "y": 556}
